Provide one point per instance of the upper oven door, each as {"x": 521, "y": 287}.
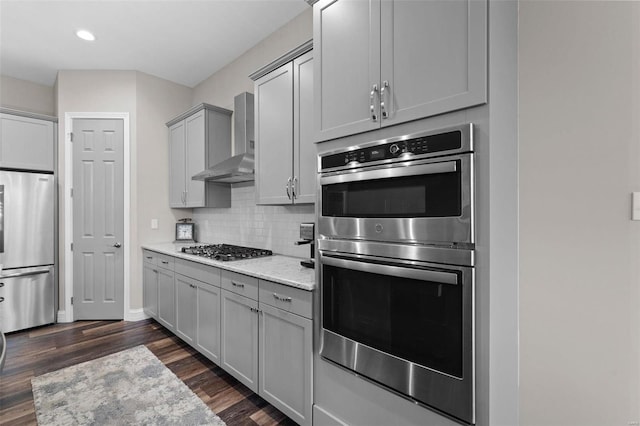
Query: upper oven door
{"x": 425, "y": 201}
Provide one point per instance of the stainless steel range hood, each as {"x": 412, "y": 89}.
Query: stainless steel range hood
{"x": 238, "y": 168}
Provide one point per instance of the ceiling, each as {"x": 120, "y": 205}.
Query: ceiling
{"x": 184, "y": 41}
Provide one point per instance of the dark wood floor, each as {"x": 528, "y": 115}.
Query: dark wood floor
{"x": 40, "y": 350}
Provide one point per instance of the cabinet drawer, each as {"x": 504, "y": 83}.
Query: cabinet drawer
{"x": 164, "y": 261}
{"x": 240, "y": 284}
{"x": 150, "y": 257}
{"x": 198, "y": 271}
{"x": 290, "y": 299}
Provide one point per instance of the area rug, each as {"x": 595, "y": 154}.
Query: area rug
{"x": 131, "y": 387}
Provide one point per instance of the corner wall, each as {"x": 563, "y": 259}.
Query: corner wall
{"x": 579, "y": 142}
{"x": 26, "y": 96}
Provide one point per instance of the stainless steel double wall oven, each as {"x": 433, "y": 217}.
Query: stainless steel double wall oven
{"x": 396, "y": 244}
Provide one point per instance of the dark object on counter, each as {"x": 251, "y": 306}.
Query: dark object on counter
{"x": 226, "y": 252}
{"x": 307, "y": 236}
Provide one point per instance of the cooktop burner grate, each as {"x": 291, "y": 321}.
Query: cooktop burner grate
{"x": 226, "y": 252}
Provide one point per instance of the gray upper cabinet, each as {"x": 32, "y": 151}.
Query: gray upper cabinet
{"x": 285, "y": 153}
{"x": 198, "y": 139}
{"x": 385, "y": 62}
{"x": 27, "y": 143}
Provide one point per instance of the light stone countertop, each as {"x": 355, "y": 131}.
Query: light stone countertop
{"x": 277, "y": 268}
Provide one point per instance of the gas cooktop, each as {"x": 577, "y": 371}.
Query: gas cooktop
{"x": 226, "y": 252}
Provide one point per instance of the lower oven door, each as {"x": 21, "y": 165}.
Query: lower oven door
{"x": 404, "y": 324}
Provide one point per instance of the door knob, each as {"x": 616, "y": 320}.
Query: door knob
{"x": 117, "y": 245}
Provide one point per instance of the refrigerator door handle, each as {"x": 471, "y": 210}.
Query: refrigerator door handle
{"x": 26, "y": 274}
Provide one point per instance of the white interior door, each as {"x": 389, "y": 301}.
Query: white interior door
{"x": 98, "y": 218}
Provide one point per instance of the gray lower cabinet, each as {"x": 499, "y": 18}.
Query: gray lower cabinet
{"x": 166, "y": 298}
{"x": 239, "y": 338}
{"x": 186, "y": 302}
{"x": 150, "y": 289}
{"x": 258, "y": 331}
{"x": 198, "y": 313}
{"x": 27, "y": 142}
{"x": 285, "y": 362}
{"x": 380, "y": 63}
{"x": 208, "y": 321}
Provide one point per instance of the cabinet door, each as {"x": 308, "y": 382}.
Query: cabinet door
{"x": 177, "y": 164}
{"x": 166, "y": 299}
{"x": 26, "y": 143}
{"x": 274, "y": 136}
{"x": 150, "y": 290}
{"x": 304, "y": 150}
{"x": 239, "y": 338}
{"x": 195, "y": 159}
{"x": 433, "y": 57}
{"x": 185, "y": 308}
{"x": 208, "y": 321}
{"x": 285, "y": 362}
{"x": 346, "y": 37}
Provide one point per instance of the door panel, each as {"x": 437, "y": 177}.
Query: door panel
{"x": 208, "y": 325}
{"x": 274, "y": 131}
{"x": 26, "y": 219}
{"x": 304, "y": 150}
{"x": 177, "y": 164}
{"x": 195, "y": 163}
{"x": 98, "y": 218}
{"x": 347, "y": 52}
{"x": 433, "y": 55}
{"x": 285, "y": 362}
{"x": 239, "y": 342}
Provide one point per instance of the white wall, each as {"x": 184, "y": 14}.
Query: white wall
{"x": 579, "y": 145}
{"x": 157, "y": 101}
{"x": 26, "y": 96}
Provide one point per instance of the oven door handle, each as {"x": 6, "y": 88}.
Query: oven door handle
{"x": 391, "y": 172}
{"x": 415, "y": 273}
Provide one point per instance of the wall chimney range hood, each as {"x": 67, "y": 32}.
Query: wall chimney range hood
{"x": 240, "y": 167}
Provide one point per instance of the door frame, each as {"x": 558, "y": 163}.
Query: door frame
{"x": 66, "y": 315}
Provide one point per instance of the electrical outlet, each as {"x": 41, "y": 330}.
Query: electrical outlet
{"x": 154, "y": 223}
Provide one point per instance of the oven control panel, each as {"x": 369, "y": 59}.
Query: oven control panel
{"x": 410, "y": 147}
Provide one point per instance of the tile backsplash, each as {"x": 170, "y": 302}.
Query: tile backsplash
{"x": 272, "y": 227}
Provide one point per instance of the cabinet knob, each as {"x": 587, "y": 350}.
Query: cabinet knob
{"x": 117, "y": 245}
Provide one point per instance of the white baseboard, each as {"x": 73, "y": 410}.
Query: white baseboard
{"x": 62, "y": 317}
{"x": 136, "y": 315}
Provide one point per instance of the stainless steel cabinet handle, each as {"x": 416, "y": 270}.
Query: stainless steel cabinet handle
{"x": 149, "y": 257}
{"x": 165, "y": 262}
{"x": 192, "y": 285}
{"x": 1, "y": 299}
{"x": 293, "y": 191}
{"x": 287, "y": 187}
{"x": 374, "y": 90}
{"x": 155, "y": 270}
{"x": 235, "y": 284}
{"x": 117, "y": 245}
{"x": 1, "y": 284}
{"x": 26, "y": 274}
{"x": 383, "y": 111}
{"x": 281, "y": 298}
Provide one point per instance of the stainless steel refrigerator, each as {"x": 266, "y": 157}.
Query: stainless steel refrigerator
{"x": 27, "y": 252}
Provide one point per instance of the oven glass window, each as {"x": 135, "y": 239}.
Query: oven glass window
{"x": 419, "y": 321}
{"x": 431, "y": 195}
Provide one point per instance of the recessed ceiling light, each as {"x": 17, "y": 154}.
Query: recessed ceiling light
{"x": 85, "y": 35}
